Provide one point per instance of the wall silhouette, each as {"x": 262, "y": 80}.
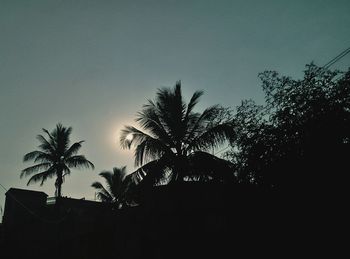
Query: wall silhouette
{"x": 190, "y": 220}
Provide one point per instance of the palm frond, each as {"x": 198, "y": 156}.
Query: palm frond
{"x": 116, "y": 187}
{"x": 51, "y": 137}
{"x": 147, "y": 147}
{"x": 194, "y": 100}
{"x": 148, "y": 150}
{"x": 171, "y": 108}
{"x": 151, "y": 173}
{"x": 104, "y": 198}
{"x": 200, "y": 122}
{"x": 79, "y": 161}
{"x": 73, "y": 149}
{"x": 149, "y": 119}
{"x": 66, "y": 170}
{"x": 44, "y": 157}
{"x": 61, "y": 136}
{"x": 42, "y": 176}
{"x": 108, "y": 176}
{"x": 35, "y": 168}
{"x": 102, "y": 194}
{"x": 120, "y": 171}
{"x": 34, "y": 155}
{"x": 137, "y": 137}
{"x": 46, "y": 145}
{"x": 213, "y": 137}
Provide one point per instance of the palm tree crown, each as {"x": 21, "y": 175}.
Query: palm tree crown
{"x": 55, "y": 157}
{"x": 172, "y": 134}
{"x": 113, "y": 191}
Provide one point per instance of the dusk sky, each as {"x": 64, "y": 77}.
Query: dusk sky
{"x": 91, "y": 64}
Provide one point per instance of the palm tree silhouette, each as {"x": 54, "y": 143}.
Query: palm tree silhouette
{"x": 174, "y": 139}
{"x": 55, "y": 158}
{"x": 114, "y": 189}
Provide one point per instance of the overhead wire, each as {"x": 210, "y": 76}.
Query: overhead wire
{"x": 337, "y": 58}
{"x": 324, "y": 67}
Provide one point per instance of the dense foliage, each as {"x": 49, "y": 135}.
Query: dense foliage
{"x": 300, "y": 137}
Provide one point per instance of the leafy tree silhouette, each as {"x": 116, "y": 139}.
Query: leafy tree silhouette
{"x": 55, "y": 158}
{"x": 299, "y": 139}
{"x": 174, "y": 141}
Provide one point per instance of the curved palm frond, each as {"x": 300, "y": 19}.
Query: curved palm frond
{"x": 172, "y": 111}
{"x": 73, "y": 149}
{"x": 147, "y": 151}
{"x": 46, "y": 145}
{"x": 102, "y": 194}
{"x": 42, "y": 176}
{"x": 104, "y": 197}
{"x": 79, "y": 161}
{"x": 213, "y": 137}
{"x": 66, "y": 170}
{"x": 149, "y": 119}
{"x": 37, "y": 156}
{"x": 147, "y": 147}
{"x": 199, "y": 122}
{"x": 35, "y": 168}
{"x": 42, "y": 158}
{"x": 118, "y": 187}
{"x": 108, "y": 176}
{"x": 194, "y": 100}
{"x": 152, "y": 173}
{"x": 52, "y": 141}
{"x": 120, "y": 171}
{"x": 110, "y": 181}
{"x": 114, "y": 192}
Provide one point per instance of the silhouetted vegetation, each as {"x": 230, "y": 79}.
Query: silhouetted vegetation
{"x": 114, "y": 192}
{"x": 55, "y": 158}
{"x": 299, "y": 139}
{"x": 174, "y": 141}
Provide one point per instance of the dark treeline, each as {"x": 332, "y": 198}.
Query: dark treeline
{"x": 299, "y": 139}
{"x": 296, "y": 143}
{"x": 281, "y": 184}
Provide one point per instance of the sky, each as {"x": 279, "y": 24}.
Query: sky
{"x": 91, "y": 64}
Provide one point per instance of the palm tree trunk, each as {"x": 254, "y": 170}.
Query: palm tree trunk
{"x": 58, "y": 183}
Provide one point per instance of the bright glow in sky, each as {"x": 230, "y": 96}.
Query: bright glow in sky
{"x": 92, "y": 64}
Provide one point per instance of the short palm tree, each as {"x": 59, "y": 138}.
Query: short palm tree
{"x": 174, "y": 139}
{"x": 55, "y": 158}
{"x": 113, "y": 192}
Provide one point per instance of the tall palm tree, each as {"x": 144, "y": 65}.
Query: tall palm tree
{"x": 113, "y": 192}
{"x": 174, "y": 139}
{"x": 54, "y": 158}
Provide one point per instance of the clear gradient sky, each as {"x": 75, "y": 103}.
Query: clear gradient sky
{"x": 91, "y": 64}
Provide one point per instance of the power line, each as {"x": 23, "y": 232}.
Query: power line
{"x": 326, "y": 66}
{"x": 337, "y": 58}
